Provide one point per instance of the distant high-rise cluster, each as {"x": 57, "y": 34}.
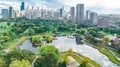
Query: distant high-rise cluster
{"x": 90, "y": 18}
{"x": 75, "y": 14}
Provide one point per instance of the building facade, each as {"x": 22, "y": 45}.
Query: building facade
{"x": 72, "y": 14}
{"x": 61, "y": 12}
{"x": 93, "y": 18}
{"x": 22, "y": 6}
{"x": 10, "y": 12}
{"x": 5, "y": 14}
{"x": 79, "y": 13}
{"x": 88, "y": 14}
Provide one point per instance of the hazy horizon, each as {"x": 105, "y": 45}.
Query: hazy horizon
{"x": 99, "y": 6}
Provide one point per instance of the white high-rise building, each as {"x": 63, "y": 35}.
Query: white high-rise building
{"x": 88, "y": 14}
{"x": 14, "y": 14}
{"x": 93, "y": 18}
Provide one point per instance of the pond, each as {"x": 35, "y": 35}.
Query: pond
{"x": 27, "y": 45}
{"x": 65, "y": 43}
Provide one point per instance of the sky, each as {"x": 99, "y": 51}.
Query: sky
{"x": 99, "y": 6}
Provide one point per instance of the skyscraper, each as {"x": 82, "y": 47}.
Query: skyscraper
{"x": 22, "y": 6}
{"x": 79, "y": 13}
{"x": 42, "y": 13}
{"x": 72, "y": 14}
{"x": 88, "y": 14}
{"x": 14, "y": 14}
{"x": 10, "y": 12}
{"x": 93, "y": 18}
{"x": 61, "y": 12}
{"x": 5, "y": 14}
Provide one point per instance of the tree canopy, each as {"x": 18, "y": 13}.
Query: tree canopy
{"x": 50, "y": 56}
{"x": 22, "y": 63}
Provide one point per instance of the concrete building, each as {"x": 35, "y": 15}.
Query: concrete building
{"x": 14, "y": 14}
{"x": 93, "y": 18}
{"x": 103, "y": 22}
{"x": 72, "y": 14}
{"x": 56, "y": 14}
{"x": 79, "y": 13}
{"x": 42, "y": 12}
{"x": 87, "y": 19}
{"x": 5, "y": 14}
{"x": 88, "y": 14}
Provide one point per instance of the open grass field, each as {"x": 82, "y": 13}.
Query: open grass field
{"x": 4, "y": 27}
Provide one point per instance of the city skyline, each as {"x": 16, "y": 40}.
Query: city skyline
{"x": 99, "y": 6}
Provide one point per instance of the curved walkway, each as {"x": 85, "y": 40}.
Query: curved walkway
{"x": 34, "y": 61}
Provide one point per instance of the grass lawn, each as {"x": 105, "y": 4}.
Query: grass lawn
{"x": 111, "y": 57}
{"x": 81, "y": 58}
{"x": 105, "y": 50}
{"x": 4, "y": 24}
{"x": 86, "y": 59}
{"x": 4, "y": 29}
{"x": 9, "y": 44}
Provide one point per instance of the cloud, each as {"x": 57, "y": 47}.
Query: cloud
{"x": 5, "y": 4}
{"x": 100, "y": 6}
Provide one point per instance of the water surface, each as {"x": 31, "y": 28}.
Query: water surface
{"x": 27, "y": 45}
{"x": 65, "y": 43}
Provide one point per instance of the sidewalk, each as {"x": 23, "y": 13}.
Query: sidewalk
{"x": 73, "y": 62}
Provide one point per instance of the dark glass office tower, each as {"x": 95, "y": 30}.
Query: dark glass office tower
{"x": 22, "y": 6}
{"x": 10, "y": 12}
{"x": 61, "y": 12}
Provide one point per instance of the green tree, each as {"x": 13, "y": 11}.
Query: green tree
{"x": 63, "y": 64}
{"x": 2, "y": 62}
{"x": 18, "y": 55}
{"x": 22, "y": 63}
{"x": 29, "y": 31}
{"x": 119, "y": 49}
{"x": 106, "y": 39}
{"x": 83, "y": 64}
{"x": 8, "y": 23}
{"x": 82, "y": 31}
{"x": 48, "y": 38}
{"x": 37, "y": 39}
{"x": 50, "y": 56}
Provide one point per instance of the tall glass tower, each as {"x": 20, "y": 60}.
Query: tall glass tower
{"x": 10, "y": 12}
{"x": 22, "y": 6}
{"x": 72, "y": 14}
{"x": 61, "y": 12}
{"x": 79, "y": 13}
